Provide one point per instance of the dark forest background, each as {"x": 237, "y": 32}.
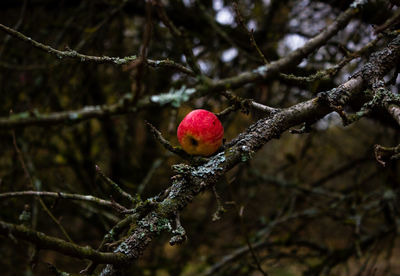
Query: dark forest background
{"x": 322, "y": 202}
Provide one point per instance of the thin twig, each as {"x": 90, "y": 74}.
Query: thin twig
{"x": 220, "y": 208}
{"x": 29, "y": 178}
{"x": 16, "y": 27}
{"x": 332, "y": 71}
{"x": 263, "y": 234}
{"x": 96, "y": 59}
{"x": 156, "y": 164}
{"x": 103, "y": 23}
{"x": 167, "y": 145}
{"x": 73, "y": 116}
{"x": 211, "y": 21}
{"x": 115, "y": 186}
{"x": 394, "y": 110}
{"x": 179, "y": 233}
{"x": 140, "y": 63}
{"x": 110, "y": 236}
{"x": 226, "y": 111}
{"x": 293, "y": 58}
{"x": 242, "y": 103}
{"x": 250, "y": 33}
{"x": 62, "y": 195}
{"x": 384, "y": 155}
{"x": 180, "y": 36}
{"x": 388, "y": 23}
{"x": 59, "y": 245}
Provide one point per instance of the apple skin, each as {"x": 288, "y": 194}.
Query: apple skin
{"x": 200, "y": 133}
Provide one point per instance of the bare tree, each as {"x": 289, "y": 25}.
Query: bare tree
{"x": 306, "y": 182}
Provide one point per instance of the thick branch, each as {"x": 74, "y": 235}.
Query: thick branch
{"x": 192, "y": 180}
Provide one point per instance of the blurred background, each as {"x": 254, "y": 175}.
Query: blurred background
{"x": 314, "y": 204}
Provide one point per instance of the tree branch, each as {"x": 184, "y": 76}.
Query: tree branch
{"x": 46, "y": 242}
{"x": 117, "y": 188}
{"x": 193, "y": 180}
{"x": 24, "y": 119}
{"x": 62, "y": 195}
{"x": 385, "y": 155}
{"x": 205, "y": 87}
{"x": 96, "y": 59}
{"x": 167, "y": 145}
{"x": 293, "y": 58}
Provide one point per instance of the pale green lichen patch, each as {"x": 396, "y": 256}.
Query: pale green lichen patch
{"x": 389, "y": 195}
{"x": 175, "y": 189}
{"x": 110, "y": 236}
{"x": 22, "y": 115}
{"x": 156, "y": 225}
{"x": 72, "y": 53}
{"x": 163, "y": 224}
{"x": 125, "y": 99}
{"x": 73, "y": 116}
{"x": 174, "y": 97}
{"x": 382, "y": 97}
{"x": 181, "y": 168}
{"x": 358, "y": 3}
{"x": 92, "y": 108}
{"x": 124, "y": 60}
{"x": 179, "y": 236}
{"x": 247, "y": 154}
{"x": 262, "y": 70}
{"x": 123, "y": 248}
{"x": 211, "y": 166}
{"x": 25, "y": 217}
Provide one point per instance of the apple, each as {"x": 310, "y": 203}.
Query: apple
{"x": 200, "y": 133}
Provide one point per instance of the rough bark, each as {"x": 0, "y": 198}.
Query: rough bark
{"x": 191, "y": 180}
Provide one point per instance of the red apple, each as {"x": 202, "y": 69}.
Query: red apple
{"x": 200, "y": 133}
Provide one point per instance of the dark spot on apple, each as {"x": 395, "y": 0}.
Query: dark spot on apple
{"x": 193, "y": 142}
